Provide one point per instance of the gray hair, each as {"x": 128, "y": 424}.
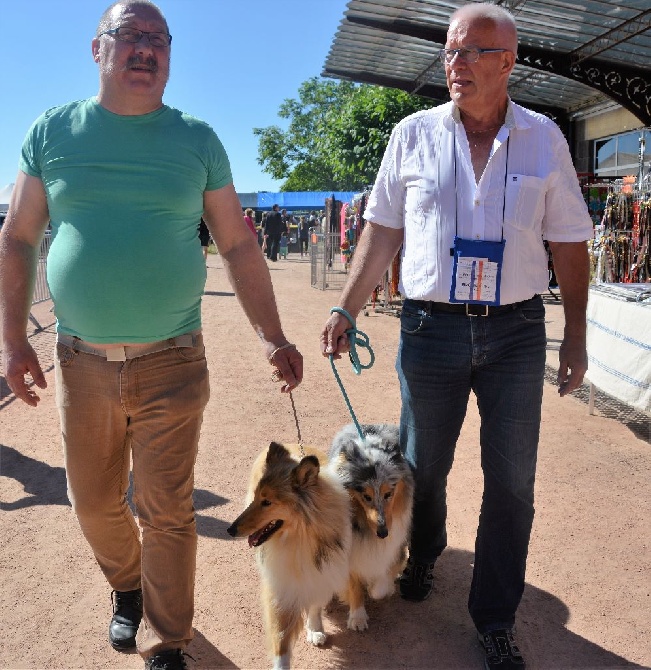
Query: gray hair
{"x": 499, "y": 16}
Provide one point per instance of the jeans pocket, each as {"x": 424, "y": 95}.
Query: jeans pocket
{"x": 65, "y": 355}
{"x": 411, "y": 321}
{"x": 194, "y": 353}
{"x": 533, "y": 313}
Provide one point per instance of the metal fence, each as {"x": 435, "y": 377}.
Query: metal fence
{"x": 41, "y": 290}
{"x": 329, "y": 268}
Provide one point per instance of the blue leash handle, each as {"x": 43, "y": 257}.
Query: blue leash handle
{"x": 355, "y": 338}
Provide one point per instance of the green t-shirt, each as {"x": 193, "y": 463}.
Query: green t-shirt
{"x": 125, "y": 196}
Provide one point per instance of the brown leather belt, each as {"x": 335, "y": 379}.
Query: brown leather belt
{"x": 465, "y": 308}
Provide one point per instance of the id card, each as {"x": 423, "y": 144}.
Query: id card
{"x": 477, "y": 271}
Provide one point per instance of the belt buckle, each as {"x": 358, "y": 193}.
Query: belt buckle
{"x": 116, "y": 354}
{"x": 468, "y": 313}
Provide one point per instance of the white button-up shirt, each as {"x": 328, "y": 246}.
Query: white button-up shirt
{"x": 528, "y": 192}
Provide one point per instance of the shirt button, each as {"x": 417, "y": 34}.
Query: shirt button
{"x": 477, "y": 203}
{"x": 476, "y": 237}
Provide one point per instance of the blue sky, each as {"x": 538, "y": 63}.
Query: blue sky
{"x": 233, "y": 63}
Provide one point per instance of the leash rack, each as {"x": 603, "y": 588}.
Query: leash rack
{"x": 386, "y": 298}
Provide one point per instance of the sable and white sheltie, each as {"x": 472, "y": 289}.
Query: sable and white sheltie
{"x": 298, "y": 520}
{"x": 381, "y": 488}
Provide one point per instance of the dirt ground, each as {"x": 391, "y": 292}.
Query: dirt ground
{"x": 587, "y": 602}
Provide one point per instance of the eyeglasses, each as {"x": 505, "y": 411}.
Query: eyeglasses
{"x": 133, "y": 35}
{"x": 468, "y": 54}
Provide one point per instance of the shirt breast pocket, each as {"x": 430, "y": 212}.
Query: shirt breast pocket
{"x": 524, "y": 201}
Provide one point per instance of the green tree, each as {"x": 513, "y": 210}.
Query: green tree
{"x": 357, "y": 137}
{"x": 292, "y": 154}
{"x": 336, "y": 136}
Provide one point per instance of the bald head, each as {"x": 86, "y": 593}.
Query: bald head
{"x": 106, "y": 20}
{"x": 488, "y": 15}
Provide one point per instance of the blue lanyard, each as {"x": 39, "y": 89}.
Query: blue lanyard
{"x": 456, "y": 190}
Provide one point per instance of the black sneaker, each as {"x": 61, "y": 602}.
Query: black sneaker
{"x": 501, "y": 650}
{"x": 127, "y": 613}
{"x": 417, "y": 580}
{"x": 169, "y": 659}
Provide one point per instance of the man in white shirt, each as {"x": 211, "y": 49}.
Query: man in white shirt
{"x": 471, "y": 190}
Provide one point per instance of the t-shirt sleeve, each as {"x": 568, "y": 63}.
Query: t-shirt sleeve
{"x": 219, "y": 167}
{"x": 32, "y": 150}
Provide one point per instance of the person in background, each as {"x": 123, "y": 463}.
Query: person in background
{"x": 274, "y": 227}
{"x": 262, "y": 239}
{"x": 250, "y": 223}
{"x": 470, "y": 190}
{"x": 284, "y": 245}
{"x": 204, "y": 238}
{"x": 303, "y": 235}
{"x": 130, "y": 366}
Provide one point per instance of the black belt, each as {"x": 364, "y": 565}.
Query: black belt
{"x": 465, "y": 308}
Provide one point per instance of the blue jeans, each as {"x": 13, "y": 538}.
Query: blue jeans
{"x": 441, "y": 358}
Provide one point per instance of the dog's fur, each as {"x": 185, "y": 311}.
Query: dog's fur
{"x": 381, "y": 488}
{"x": 298, "y": 520}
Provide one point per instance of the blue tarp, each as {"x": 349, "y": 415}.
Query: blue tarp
{"x": 292, "y": 200}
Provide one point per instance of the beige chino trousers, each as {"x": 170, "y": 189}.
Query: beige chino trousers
{"x": 146, "y": 411}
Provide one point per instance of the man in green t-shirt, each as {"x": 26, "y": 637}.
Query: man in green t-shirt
{"x": 124, "y": 180}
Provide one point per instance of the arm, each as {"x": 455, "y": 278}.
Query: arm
{"x": 251, "y": 281}
{"x": 19, "y": 244}
{"x": 376, "y": 249}
{"x": 571, "y": 265}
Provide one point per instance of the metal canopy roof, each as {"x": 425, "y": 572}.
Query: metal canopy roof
{"x": 573, "y": 55}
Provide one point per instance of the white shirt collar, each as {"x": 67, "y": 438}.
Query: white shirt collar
{"x": 514, "y": 117}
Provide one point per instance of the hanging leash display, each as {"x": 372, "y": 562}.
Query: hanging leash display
{"x": 356, "y": 338}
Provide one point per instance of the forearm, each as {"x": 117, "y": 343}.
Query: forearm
{"x": 251, "y": 281}
{"x": 17, "y": 273}
{"x": 572, "y": 268}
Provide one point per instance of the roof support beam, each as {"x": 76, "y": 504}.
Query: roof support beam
{"x": 439, "y": 93}
{"x": 629, "y": 87}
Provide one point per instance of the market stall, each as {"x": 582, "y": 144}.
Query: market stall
{"x": 619, "y": 342}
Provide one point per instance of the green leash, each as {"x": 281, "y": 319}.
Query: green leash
{"x": 356, "y": 338}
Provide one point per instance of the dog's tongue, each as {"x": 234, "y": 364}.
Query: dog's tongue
{"x": 254, "y": 537}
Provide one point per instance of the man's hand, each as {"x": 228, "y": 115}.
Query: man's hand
{"x": 333, "y": 337}
{"x": 288, "y": 361}
{"x": 573, "y": 363}
{"x": 19, "y": 361}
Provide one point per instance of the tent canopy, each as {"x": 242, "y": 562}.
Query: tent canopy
{"x": 292, "y": 199}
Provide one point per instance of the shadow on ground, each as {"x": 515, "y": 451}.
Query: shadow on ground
{"x": 438, "y": 633}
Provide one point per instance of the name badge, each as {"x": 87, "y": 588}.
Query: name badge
{"x": 477, "y": 271}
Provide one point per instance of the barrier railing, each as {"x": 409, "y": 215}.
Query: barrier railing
{"x": 41, "y": 290}
{"x": 329, "y": 268}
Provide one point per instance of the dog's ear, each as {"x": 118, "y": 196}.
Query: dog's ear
{"x": 306, "y": 472}
{"x": 276, "y": 453}
{"x": 351, "y": 451}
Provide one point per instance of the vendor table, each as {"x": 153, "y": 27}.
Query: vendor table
{"x": 619, "y": 343}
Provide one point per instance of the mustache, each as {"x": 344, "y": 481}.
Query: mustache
{"x": 150, "y": 62}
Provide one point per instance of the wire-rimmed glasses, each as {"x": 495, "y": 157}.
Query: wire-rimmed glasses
{"x": 133, "y": 35}
{"x": 468, "y": 54}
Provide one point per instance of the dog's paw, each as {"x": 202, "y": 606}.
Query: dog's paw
{"x": 382, "y": 589}
{"x": 358, "y": 619}
{"x": 316, "y": 637}
{"x": 281, "y": 662}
